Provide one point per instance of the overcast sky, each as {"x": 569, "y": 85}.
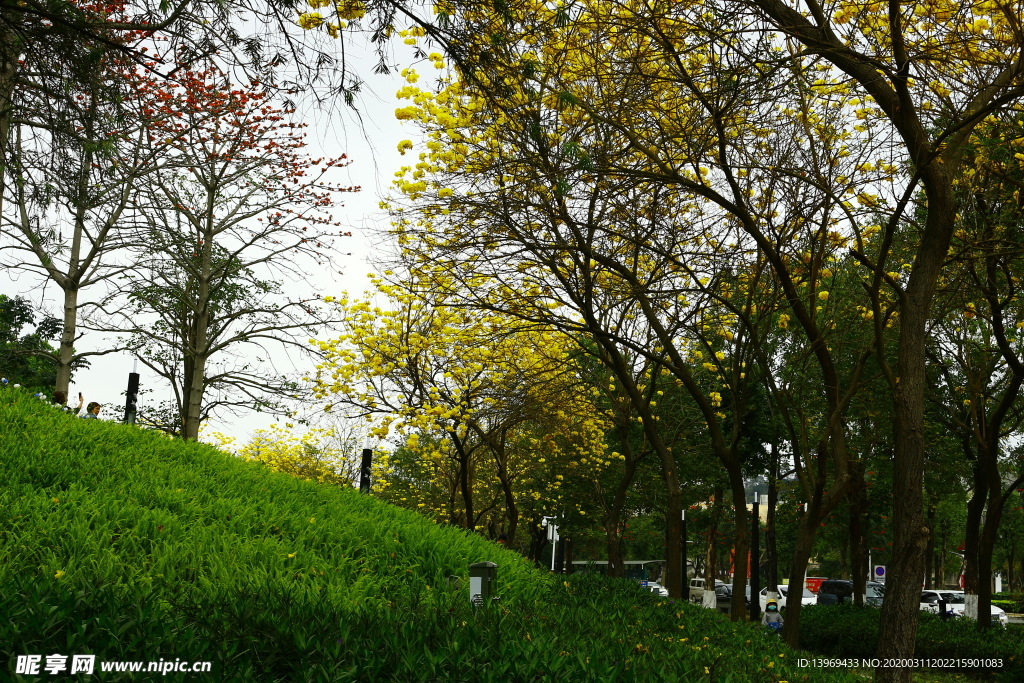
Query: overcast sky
{"x": 371, "y": 149}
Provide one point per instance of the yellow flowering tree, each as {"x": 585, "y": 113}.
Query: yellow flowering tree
{"x": 314, "y": 454}
{"x": 483, "y": 402}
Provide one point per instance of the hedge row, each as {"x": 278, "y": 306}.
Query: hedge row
{"x": 844, "y": 631}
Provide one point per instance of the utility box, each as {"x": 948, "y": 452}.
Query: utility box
{"x": 482, "y": 578}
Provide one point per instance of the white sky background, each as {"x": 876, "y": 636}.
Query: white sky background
{"x": 333, "y": 130}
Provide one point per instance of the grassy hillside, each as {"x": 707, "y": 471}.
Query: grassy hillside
{"x": 118, "y": 542}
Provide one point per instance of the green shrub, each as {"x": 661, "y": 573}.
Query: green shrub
{"x": 849, "y": 632}
{"x": 1014, "y": 600}
{"x": 121, "y": 543}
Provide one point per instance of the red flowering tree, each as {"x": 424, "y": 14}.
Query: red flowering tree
{"x": 235, "y": 209}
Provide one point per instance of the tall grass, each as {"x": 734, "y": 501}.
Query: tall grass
{"x": 118, "y": 542}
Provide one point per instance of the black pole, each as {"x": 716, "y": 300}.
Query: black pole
{"x": 755, "y": 562}
{"x": 364, "y": 471}
{"x": 131, "y": 401}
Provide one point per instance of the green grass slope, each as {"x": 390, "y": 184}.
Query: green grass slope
{"x": 120, "y": 543}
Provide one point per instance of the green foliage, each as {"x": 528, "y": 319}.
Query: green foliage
{"x": 122, "y": 543}
{"x": 845, "y": 631}
{"x": 1010, "y": 602}
{"x": 20, "y": 354}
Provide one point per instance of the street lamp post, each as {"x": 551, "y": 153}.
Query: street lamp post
{"x": 131, "y": 401}
{"x": 553, "y": 536}
{"x": 364, "y": 471}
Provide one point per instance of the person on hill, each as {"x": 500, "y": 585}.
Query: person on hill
{"x": 93, "y": 411}
{"x": 60, "y": 399}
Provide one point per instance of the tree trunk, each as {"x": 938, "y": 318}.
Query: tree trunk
{"x": 858, "y": 541}
{"x": 194, "y": 407}
{"x": 711, "y": 550}
{"x": 674, "y": 571}
{"x": 1010, "y": 576}
{"x": 466, "y": 485}
{"x": 797, "y": 571}
{"x": 844, "y": 553}
{"x": 510, "y": 500}
{"x": 972, "y": 536}
{"x": 613, "y": 513}
{"x": 986, "y": 549}
{"x": 929, "y": 559}
{"x": 770, "y": 547}
{"x": 901, "y": 607}
{"x": 613, "y": 538}
{"x": 942, "y": 556}
{"x": 199, "y": 342}
{"x": 452, "y": 515}
{"x": 66, "y": 352}
{"x": 70, "y": 283}
{"x": 738, "y": 609}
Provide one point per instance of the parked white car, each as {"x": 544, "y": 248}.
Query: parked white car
{"x": 808, "y": 598}
{"x": 655, "y": 588}
{"x": 955, "y": 604}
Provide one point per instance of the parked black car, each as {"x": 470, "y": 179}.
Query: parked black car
{"x": 833, "y": 591}
{"x": 724, "y": 598}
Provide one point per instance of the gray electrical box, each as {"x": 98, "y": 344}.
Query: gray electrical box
{"x": 482, "y": 578}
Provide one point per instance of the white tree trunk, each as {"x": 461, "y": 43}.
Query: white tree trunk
{"x": 971, "y": 606}
{"x": 710, "y": 598}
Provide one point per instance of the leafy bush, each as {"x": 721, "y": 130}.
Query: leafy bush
{"x": 846, "y": 631}
{"x": 1010, "y": 602}
{"x": 122, "y": 543}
